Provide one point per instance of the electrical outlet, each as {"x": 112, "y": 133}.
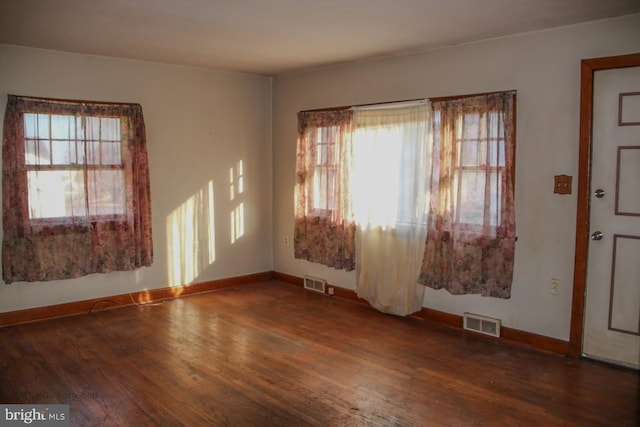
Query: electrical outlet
{"x": 330, "y": 290}
{"x": 554, "y": 286}
{"x": 286, "y": 240}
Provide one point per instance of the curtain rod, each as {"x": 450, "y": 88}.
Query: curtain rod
{"x": 372, "y": 104}
{"x": 397, "y": 104}
{"x": 390, "y": 103}
{"x": 71, "y": 101}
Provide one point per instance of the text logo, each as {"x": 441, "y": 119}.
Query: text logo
{"x": 34, "y": 415}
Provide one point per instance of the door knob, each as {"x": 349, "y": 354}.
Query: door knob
{"x": 599, "y": 193}
{"x": 597, "y": 235}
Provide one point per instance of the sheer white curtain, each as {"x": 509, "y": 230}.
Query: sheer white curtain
{"x": 389, "y": 186}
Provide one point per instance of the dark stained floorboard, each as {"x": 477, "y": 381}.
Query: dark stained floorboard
{"x": 272, "y": 354}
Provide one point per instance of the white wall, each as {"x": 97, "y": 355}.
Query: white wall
{"x": 199, "y": 123}
{"x": 544, "y": 68}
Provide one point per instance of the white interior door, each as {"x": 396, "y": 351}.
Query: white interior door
{"x": 612, "y": 306}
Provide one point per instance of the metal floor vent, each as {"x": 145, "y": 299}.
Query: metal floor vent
{"x": 314, "y": 284}
{"x": 482, "y": 324}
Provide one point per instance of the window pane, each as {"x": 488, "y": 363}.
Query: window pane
{"x": 56, "y": 194}
{"x": 37, "y": 152}
{"x": 43, "y": 126}
{"x": 469, "y": 153}
{"x": 330, "y": 202}
{"x": 323, "y": 195}
{"x": 471, "y": 209}
{"x": 471, "y": 126}
{"x": 80, "y": 127}
{"x": 323, "y": 134}
{"x": 79, "y": 150}
{"x": 73, "y": 150}
{"x": 30, "y": 125}
{"x": 63, "y": 127}
{"x": 331, "y": 134}
{"x": 31, "y": 152}
{"x": 472, "y": 197}
{"x": 60, "y": 194}
{"x": 93, "y": 152}
{"x": 30, "y": 155}
{"x": 321, "y": 154}
{"x": 496, "y": 125}
{"x": 495, "y": 198}
{"x": 327, "y": 134}
{"x": 110, "y": 129}
{"x": 110, "y": 152}
{"x": 332, "y": 154}
{"x": 60, "y": 152}
{"x": 36, "y": 125}
{"x": 107, "y": 192}
{"x": 92, "y": 128}
{"x": 319, "y": 188}
{"x": 496, "y": 153}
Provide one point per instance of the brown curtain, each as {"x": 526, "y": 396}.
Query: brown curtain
{"x": 471, "y": 222}
{"x": 324, "y": 227}
{"x": 101, "y": 162}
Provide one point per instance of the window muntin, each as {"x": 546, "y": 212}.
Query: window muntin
{"x": 74, "y": 167}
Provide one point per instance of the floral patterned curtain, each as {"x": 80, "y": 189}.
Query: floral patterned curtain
{"x": 471, "y": 222}
{"x": 75, "y": 186}
{"x": 324, "y": 227}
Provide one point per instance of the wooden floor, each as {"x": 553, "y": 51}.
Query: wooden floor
{"x": 272, "y": 354}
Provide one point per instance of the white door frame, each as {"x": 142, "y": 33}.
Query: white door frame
{"x": 588, "y": 67}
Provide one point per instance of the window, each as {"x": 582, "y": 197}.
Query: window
{"x": 470, "y": 242}
{"x": 462, "y": 174}
{"x": 324, "y": 228}
{"x": 58, "y": 150}
{"x": 76, "y": 197}
{"x": 323, "y": 168}
{"x": 479, "y": 166}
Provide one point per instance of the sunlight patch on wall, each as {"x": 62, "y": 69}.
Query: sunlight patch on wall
{"x": 237, "y": 223}
{"x": 236, "y": 181}
{"x": 191, "y": 237}
{"x": 236, "y": 190}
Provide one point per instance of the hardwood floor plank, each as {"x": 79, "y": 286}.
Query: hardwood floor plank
{"x": 272, "y": 354}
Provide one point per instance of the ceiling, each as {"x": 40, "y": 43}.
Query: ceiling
{"x": 270, "y": 37}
